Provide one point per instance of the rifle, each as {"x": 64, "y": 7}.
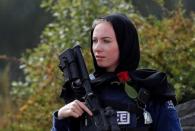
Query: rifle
{"x": 78, "y": 86}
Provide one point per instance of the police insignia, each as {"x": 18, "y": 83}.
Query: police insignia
{"x": 123, "y": 117}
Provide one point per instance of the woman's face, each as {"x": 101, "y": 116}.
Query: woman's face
{"x": 105, "y": 46}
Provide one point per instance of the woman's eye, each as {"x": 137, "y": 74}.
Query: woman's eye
{"x": 107, "y": 41}
{"x": 94, "y": 40}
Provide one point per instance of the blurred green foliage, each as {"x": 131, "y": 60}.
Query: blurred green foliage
{"x": 167, "y": 45}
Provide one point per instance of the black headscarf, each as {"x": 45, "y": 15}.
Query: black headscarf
{"x": 127, "y": 38}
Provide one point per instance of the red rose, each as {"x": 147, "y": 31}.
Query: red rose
{"x": 123, "y": 76}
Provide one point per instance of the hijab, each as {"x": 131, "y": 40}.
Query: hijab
{"x": 128, "y": 43}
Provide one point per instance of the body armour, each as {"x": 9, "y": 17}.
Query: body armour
{"x": 155, "y": 99}
{"x": 152, "y": 87}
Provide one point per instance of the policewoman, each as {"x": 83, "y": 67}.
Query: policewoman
{"x": 141, "y": 98}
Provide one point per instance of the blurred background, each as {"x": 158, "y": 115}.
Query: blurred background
{"x": 33, "y": 33}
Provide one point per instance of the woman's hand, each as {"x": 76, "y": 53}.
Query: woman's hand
{"x": 75, "y": 109}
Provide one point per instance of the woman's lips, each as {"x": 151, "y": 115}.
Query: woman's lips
{"x": 98, "y": 57}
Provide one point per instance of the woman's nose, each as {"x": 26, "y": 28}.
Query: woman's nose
{"x": 97, "y": 46}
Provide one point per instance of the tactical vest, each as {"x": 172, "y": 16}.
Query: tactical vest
{"x": 150, "y": 85}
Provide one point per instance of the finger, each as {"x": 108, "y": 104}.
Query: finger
{"x": 84, "y": 107}
{"x": 74, "y": 114}
{"x": 77, "y": 108}
{"x": 73, "y": 111}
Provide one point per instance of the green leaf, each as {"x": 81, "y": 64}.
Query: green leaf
{"x": 131, "y": 92}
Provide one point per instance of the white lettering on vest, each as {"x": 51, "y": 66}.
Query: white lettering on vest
{"x": 123, "y": 117}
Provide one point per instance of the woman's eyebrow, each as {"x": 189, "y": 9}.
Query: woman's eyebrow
{"x": 104, "y": 37}
{"x": 107, "y": 37}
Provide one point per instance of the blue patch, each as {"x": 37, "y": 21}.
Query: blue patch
{"x": 170, "y": 104}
